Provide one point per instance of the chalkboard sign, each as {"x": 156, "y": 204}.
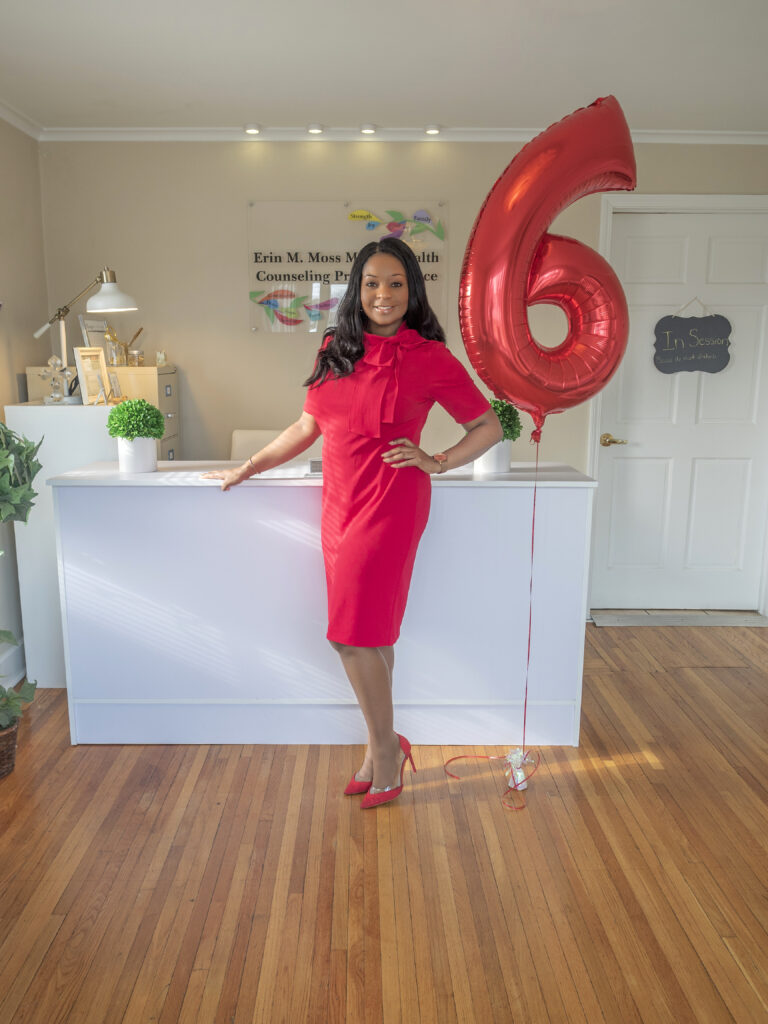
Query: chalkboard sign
{"x": 692, "y": 343}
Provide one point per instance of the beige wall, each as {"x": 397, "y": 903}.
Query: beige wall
{"x": 22, "y": 263}
{"x": 23, "y": 295}
{"x": 170, "y": 218}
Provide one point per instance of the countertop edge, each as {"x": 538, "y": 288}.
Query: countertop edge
{"x": 188, "y": 474}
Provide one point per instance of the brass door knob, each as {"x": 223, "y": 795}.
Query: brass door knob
{"x": 608, "y": 439}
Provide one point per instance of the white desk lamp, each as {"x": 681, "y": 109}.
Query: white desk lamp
{"x": 108, "y": 299}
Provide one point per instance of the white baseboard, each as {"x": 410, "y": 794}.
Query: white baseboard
{"x": 553, "y": 723}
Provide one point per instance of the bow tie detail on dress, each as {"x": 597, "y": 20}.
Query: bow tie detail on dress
{"x": 376, "y": 380}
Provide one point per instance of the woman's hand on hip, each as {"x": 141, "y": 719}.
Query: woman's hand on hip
{"x": 403, "y": 452}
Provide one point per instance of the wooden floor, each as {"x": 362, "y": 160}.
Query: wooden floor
{"x": 229, "y": 883}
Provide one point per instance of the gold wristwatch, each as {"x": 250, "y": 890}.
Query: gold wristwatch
{"x": 441, "y": 459}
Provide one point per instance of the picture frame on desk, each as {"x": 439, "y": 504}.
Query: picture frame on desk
{"x": 92, "y": 375}
{"x": 93, "y": 330}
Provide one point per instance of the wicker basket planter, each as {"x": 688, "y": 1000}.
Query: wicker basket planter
{"x": 8, "y": 739}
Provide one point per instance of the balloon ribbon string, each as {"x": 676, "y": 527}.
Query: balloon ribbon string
{"x": 477, "y": 757}
{"x": 515, "y": 787}
{"x": 530, "y": 595}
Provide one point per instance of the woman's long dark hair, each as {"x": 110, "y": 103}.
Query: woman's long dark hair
{"x": 345, "y": 339}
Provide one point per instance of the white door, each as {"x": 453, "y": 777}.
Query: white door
{"x": 680, "y": 515}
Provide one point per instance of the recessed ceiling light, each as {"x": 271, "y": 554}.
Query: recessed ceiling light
{"x": 252, "y": 129}
{"x": 368, "y": 129}
{"x": 432, "y": 129}
{"x": 315, "y": 129}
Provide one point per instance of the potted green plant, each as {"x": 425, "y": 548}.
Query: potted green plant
{"x": 18, "y": 468}
{"x": 498, "y": 458}
{"x": 11, "y": 710}
{"x": 137, "y": 425}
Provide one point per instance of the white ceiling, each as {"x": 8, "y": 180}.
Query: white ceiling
{"x": 73, "y": 68}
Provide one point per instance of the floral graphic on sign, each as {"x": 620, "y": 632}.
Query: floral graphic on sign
{"x": 398, "y": 224}
{"x": 284, "y": 306}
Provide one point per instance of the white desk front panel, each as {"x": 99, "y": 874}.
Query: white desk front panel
{"x": 213, "y": 629}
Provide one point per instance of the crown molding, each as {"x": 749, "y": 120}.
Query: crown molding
{"x": 237, "y": 134}
{"x": 276, "y": 134}
{"x": 698, "y": 138}
{"x": 20, "y": 121}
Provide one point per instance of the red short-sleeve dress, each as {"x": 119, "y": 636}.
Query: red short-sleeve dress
{"x": 373, "y": 515}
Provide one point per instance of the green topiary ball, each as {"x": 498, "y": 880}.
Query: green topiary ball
{"x": 509, "y": 418}
{"x": 134, "y": 418}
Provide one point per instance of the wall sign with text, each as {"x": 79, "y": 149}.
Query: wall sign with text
{"x": 692, "y": 343}
{"x": 300, "y": 255}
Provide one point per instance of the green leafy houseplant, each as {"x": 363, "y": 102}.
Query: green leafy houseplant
{"x": 509, "y": 418}
{"x": 11, "y": 702}
{"x": 134, "y": 418}
{"x": 18, "y": 468}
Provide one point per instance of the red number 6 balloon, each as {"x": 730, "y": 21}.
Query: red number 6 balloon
{"x": 512, "y": 262}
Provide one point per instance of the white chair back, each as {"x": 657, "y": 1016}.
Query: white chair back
{"x": 248, "y": 442}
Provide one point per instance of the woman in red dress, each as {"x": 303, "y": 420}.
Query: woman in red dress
{"x": 380, "y": 369}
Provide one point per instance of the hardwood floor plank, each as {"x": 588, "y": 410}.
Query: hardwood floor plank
{"x": 39, "y": 835}
{"x": 372, "y": 979}
{"x": 461, "y": 870}
{"x": 753, "y": 969}
{"x": 192, "y": 954}
{"x": 389, "y": 966}
{"x": 285, "y": 966}
{"x": 416, "y": 898}
{"x": 674, "y": 917}
{"x": 405, "y": 934}
{"x": 438, "y": 977}
{"x": 750, "y": 644}
{"x": 354, "y": 928}
{"x": 273, "y": 939}
{"x": 232, "y": 948}
{"x": 225, "y": 938}
{"x": 622, "y": 914}
{"x": 337, "y": 987}
{"x": 265, "y": 868}
{"x": 314, "y": 933}
{"x": 22, "y": 937}
{"x": 605, "y": 991}
{"x": 509, "y": 884}
{"x": 320, "y": 993}
{"x": 537, "y": 920}
{"x": 579, "y": 995}
{"x": 480, "y": 800}
{"x": 16, "y": 985}
{"x": 485, "y": 945}
{"x": 166, "y": 952}
{"x": 236, "y": 883}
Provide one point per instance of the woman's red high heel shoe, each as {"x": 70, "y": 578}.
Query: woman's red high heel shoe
{"x": 374, "y": 797}
{"x": 355, "y": 787}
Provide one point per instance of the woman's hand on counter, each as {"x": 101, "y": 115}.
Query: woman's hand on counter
{"x": 230, "y": 477}
{"x": 291, "y": 442}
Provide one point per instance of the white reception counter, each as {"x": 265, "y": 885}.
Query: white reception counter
{"x": 196, "y": 616}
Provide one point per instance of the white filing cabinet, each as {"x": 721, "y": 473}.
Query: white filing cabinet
{"x": 73, "y": 435}
{"x": 156, "y": 384}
